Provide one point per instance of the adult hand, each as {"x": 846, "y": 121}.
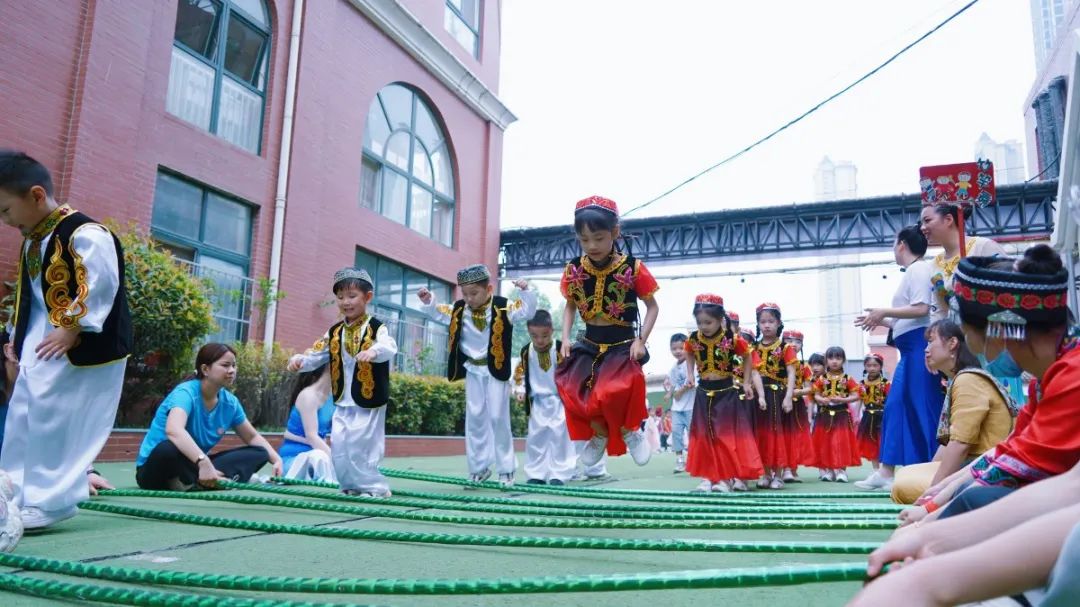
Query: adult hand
{"x": 912, "y": 515}
{"x": 276, "y": 466}
{"x": 208, "y": 474}
{"x": 57, "y": 343}
{"x": 98, "y": 482}
{"x": 915, "y": 543}
{"x": 897, "y": 589}
{"x": 874, "y": 317}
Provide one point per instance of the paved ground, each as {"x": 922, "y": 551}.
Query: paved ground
{"x": 108, "y": 539}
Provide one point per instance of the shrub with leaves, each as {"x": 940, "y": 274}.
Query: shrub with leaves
{"x": 263, "y": 386}
{"x": 422, "y": 404}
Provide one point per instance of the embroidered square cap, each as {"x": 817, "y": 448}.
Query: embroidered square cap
{"x": 473, "y": 274}
{"x": 352, "y": 273}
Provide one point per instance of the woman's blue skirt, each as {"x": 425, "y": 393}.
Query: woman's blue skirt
{"x": 913, "y": 408}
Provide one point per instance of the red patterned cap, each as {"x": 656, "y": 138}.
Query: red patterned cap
{"x": 768, "y": 306}
{"x": 879, "y": 358}
{"x": 598, "y": 202}
{"x": 793, "y": 334}
{"x": 709, "y": 299}
{"x": 733, "y": 316}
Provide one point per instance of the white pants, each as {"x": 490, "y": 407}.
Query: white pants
{"x": 314, "y": 465}
{"x": 59, "y": 418}
{"x": 488, "y": 440}
{"x": 357, "y": 445}
{"x": 597, "y": 469}
{"x": 549, "y": 454}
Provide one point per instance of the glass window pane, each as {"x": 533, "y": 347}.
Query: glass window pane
{"x": 376, "y": 130}
{"x": 414, "y": 281}
{"x": 441, "y": 291}
{"x": 254, "y": 10}
{"x": 397, "y": 150}
{"x": 240, "y": 115}
{"x": 196, "y": 25}
{"x": 367, "y": 261}
{"x": 369, "y": 184}
{"x": 177, "y": 207}
{"x": 420, "y": 212}
{"x": 230, "y": 297}
{"x": 444, "y": 175}
{"x": 244, "y": 50}
{"x": 460, "y": 32}
{"x": 395, "y": 193}
{"x": 390, "y": 281}
{"x": 398, "y": 103}
{"x": 412, "y": 344}
{"x": 426, "y": 128}
{"x": 191, "y": 89}
{"x": 421, "y": 165}
{"x": 228, "y": 224}
{"x": 178, "y": 252}
{"x": 442, "y": 222}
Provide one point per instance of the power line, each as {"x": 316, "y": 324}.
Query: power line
{"x": 740, "y": 273}
{"x": 807, "y": 112}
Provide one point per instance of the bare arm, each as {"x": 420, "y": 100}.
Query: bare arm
{"x": 952, "y": 458}
{"x": 567, "y": 323}
{"x": 176, "y": 432}
{"x": 309, "y": 417}
{"x": 652, "y": 310}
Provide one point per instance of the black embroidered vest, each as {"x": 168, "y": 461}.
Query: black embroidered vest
{"x": 499, "y": 343}
{"x": 716, "y": 354}
{"x": 557, "y": 349}
{"x": 607, "y": 293}
{"x": 63, "y": 276}
{"x": 370, "y": 384}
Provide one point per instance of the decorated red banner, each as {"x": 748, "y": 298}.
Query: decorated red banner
{"x": 964, "y": 183}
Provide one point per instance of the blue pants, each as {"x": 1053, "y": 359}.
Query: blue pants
{"x": 680, "y": 425}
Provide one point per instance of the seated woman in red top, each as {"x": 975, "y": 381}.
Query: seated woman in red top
{"x": 1019, "y": 306}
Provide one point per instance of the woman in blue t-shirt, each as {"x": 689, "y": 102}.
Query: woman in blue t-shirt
{"x": 305, "y": 452}
{"x": 191, "y": 420}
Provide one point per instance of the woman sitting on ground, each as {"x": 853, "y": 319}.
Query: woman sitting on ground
{"x": 191, "y": 420}
{"x": 977, "y": 415}
{"x": 304, "y": 452}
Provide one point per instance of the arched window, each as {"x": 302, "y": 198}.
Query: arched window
{"x": 217, "y": 79}
{"x": 406, "y": 174}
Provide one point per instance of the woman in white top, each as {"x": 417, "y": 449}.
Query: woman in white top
{"x": 941, "y": 227}
{"x": 912, "y": 409}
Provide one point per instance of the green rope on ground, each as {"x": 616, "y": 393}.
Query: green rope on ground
{"x": 681, "y": 545}
{"x": 707, "y": 578}
{"x": 129, "y": 596}
{"x": 543, "y": 522}
{"x": 682, "y": 497}
{"x": 507, "y": 506}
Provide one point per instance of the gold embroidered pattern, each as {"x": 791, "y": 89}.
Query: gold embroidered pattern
{"x": 497, "y": 328}
{"x": 353, "y": 336}
{"x": 335, "y": 359}
{"x": 363, "y": 370}
{"x": 479, "y": 316}
{"x": 444, "y": 309}
{"x": 77, "y": 310}
{"x": 38, "y": 234}
{"x": 455, "y": 321}
{"x": 544, "y": 359}
{"x": 57, "y": 298}
{"x": 874, "y": 393}
{"x": 948, "y": 267}
{"x": 772, "y": 360}
{"x": 608, "y": 300}
{"x": 519, "y": 371}
{"x": 318, "y": 346}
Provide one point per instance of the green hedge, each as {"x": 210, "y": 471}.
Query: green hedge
{"x": 421, "y": 404}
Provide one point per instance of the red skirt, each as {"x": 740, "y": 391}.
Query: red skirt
{"x": 834, "y": 438}
{"x": 771, "y": 427}
{"x": 869, "y": 434}
{"x": 722, "y": 442}
{"x": 796, "y": 428}
{"x": 604, "y": 386}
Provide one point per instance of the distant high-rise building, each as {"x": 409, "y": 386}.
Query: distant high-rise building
{"x": 1046, "y": 19}
{"x": 1007, "y": 156}
{"x": 840, "y": 291}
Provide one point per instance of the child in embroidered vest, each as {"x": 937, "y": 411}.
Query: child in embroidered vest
{"x": 797, "y": 426}
{"x": 723, "y": 448}
{"x": 601, "y": 381}
{"x": 358, "y": 349}
{"x": 478, "y": 351}
{"x": 72, "y": 328}
{"x": 872, "y": 392}
{"x": 549, "y": 455}
{"x": 834, "y": 433}
{"x": 774, "y": 384}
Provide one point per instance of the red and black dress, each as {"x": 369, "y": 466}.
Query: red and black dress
{"x": 599, "y": 381}
{"x": 873, "y": 395}
{"x": 799, "y": 442}
{"x": 834, "y": 432}
{"x": 771, "y": 425}
{"x": 722, "y": 441}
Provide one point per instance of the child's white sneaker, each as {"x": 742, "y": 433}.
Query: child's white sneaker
{"x": 680, "y": 464}
{"x": 841, "y": 476}
{"x": 721, "y": 487}
{"x": 477, "y": 478}
{"x": 776, "y": 483}
{"x": 703, "y": 487}
{"x": 593, "y": 451}
{"x": 506, "y": 481}
{"x": 826, "y": 476}
{"x": 737, "y": 484}
{"x": 637, "y": 446}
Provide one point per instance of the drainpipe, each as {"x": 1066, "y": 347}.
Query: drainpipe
{"x": 284, "y": 158}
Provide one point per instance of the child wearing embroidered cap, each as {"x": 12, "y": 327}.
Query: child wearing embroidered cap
{"x": 479, "y": 349}
{"x": 358, "y": 349}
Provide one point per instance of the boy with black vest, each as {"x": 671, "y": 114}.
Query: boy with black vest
{"x": 71, "y": 333}
{"x": 549, "y": 455}
{"x": 358, "y": 349}
{"x": 479, "y": 350}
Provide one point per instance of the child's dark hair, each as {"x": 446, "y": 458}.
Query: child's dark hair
{"x": 946, "y": 330}
{"x": 817, "y": 358}
{"x": 945, "y": 209}
{"x": 542, "y": 319}
{"x": 595, "y": 219}
{"x": 307, "y": 379}
{"x": 835, "y": 352}
{"x": 914, "y": 239}
{"x": 872, "y": 357}
{"x": 353, "y": 283}
{"x": 210, "y": 354}
{"x": 19, "y": 172}
{"x": 678, "y": 338}
{"x": 779, "y": 319}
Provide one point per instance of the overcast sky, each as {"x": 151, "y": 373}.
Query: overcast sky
{"x": 626, "y": 98}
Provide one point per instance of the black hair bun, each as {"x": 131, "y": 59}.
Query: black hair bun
{"x": 1040, "y": 259}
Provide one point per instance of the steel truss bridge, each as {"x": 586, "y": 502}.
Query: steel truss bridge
{"x": 1022, "y": 212}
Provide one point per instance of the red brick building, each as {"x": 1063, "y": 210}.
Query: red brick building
{"x": 173, "y": 114}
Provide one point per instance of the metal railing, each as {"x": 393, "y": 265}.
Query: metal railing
{"x": 231, "y": 296}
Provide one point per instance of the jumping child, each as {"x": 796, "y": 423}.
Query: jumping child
{"x": 872, "y": 391}
{"x": 834, "y": 434}
{"x": 774, "y": 383}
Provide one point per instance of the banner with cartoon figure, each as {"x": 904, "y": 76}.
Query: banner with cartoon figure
{"x": 964, "y": 183}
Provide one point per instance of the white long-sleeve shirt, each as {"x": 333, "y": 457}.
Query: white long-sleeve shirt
{"x": 385, "y": 349}
{"x": 474, "y": 342}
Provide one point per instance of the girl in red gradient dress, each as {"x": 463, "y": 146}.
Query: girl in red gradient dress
{"x": 723, "y": 450}
{"x": 872, "y": 392}
{"x": 797, "y": 423}
{"x": 774, "y": 383}
{"x": 600, "y": 379}
{"x": 835, "y": 447}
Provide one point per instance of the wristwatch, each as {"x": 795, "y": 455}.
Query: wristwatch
{"x": 198, "y": 460}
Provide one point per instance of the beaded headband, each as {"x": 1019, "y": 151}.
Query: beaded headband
{"x": 473, "y": 274}
{"x": 597, "y": 202}
{"x": 1009, "y": 300}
